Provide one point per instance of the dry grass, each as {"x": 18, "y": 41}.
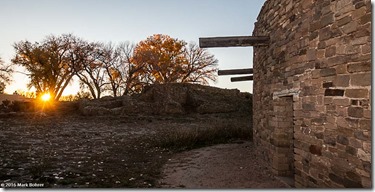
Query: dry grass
{"x": 210, "y": 133}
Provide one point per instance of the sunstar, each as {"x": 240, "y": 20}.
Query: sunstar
{"x": 46, "y": 97}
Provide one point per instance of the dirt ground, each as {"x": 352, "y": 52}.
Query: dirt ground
{"x": 120, "y": 152}
{"x": 79, "y": 151}
{"x": 224, "y": 166}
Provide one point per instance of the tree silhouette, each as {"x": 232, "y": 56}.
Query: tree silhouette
{"x": 88, "y": 68}
{"x": 5, "y": 72}
{"x": 129, "y": 73}
{"x": 50, "y": 68}
{"x": 121, "y": 69}
{"x": 201, "y": 66}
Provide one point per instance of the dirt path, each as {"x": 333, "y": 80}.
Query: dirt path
{"x": 221, "y": 166}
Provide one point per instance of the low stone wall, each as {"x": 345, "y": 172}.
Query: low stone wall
{"x": 312, "y": 91}
{"x": 172, "y": 99}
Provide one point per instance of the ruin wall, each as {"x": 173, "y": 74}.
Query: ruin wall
{"x": 312, "y": 91}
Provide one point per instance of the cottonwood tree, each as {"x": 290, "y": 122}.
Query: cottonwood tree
{"x": 49, "y": 67}
{"x": 161, "y": 58}
{"x": 167, "y": 60}
{"x": 123, "y": 69}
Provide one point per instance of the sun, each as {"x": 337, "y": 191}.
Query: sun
{"x": 46, "y": 97}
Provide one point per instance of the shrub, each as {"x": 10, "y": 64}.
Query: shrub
{"x": 21, "y": 106}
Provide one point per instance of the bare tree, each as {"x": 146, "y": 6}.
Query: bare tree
{"x": 131, "y": 73}
{"x": 122, "y": 75}
{"x": 108, "y": 56}
{"x": 5, "y": 72}
{"x": 201, "y": 65}
{"x": 88, "y": 68}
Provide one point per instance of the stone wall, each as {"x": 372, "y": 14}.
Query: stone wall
{"x": 312, "y": 91}
{"x": 172, "y": 99}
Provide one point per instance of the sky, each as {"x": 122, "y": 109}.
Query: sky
{"x": 130, "y": 20}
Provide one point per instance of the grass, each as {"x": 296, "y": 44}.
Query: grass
{"x": 214, "y": 133}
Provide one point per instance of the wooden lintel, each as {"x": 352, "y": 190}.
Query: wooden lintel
{"x": 245, "y": 78}
{"x": 236, "y": 41}
{"x": 235, "y": 71}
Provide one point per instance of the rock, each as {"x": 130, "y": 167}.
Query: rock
{"x": 363, "y": 155}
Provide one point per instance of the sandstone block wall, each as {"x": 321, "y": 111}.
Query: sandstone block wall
{"x": 312, "y": 91}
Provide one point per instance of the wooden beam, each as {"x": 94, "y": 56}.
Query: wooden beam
{"x": 236, "y": 41}
{"x": 235, "y": 71}
{"x": 244, "y": 78}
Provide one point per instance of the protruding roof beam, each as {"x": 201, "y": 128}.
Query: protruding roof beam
{"x": 244, "y": 78}
{"x": 236, "y": 41}
{"x": 235, "y": 71}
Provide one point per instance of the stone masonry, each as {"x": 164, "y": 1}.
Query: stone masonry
{"x": 312, "y": 91}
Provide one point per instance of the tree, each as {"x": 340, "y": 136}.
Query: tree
{"x": 167, "y": 60}
{"x": 201, "y": 66}
{"x": 161, "y": 58}
{"x": 108, "y": 56}
{"x": 5, "y": 71}
{"x": 130, "y": 74}
{"x": 88, "y": 68}
{"x": 2, "y": 87}
{"x": 122, "y": 75}
{"x": 50, "y": 69}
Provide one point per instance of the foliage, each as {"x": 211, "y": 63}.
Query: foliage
{"x": 167, "y": 60}
{"x": 122, "y": 69}
{"x": 49, "y": 64}
{"x": 27, "y": 94}
{"x": 161, "y": 58}
{"x": 2, "y": 87}
{"x": 68, "y": 98}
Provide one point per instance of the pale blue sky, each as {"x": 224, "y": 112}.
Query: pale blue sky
{"x": 135, "y": 20}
